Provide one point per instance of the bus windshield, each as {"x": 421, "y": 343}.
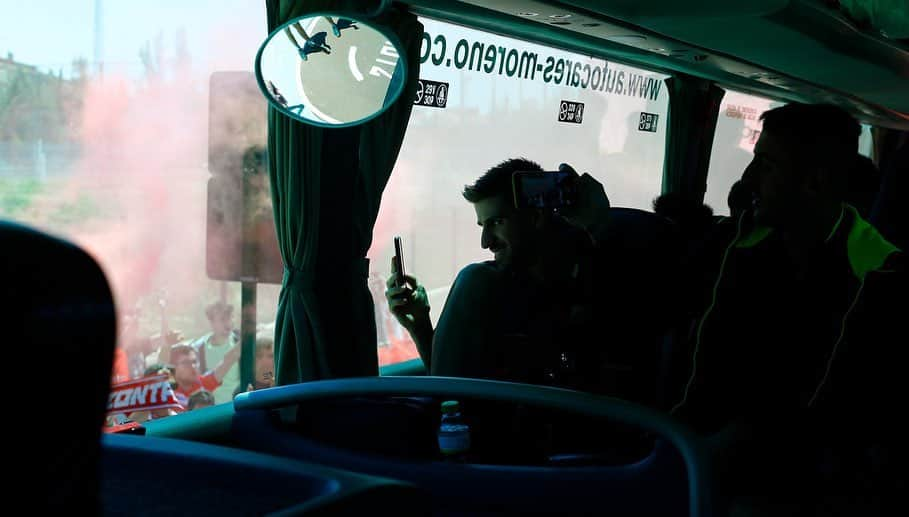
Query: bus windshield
{"x": 104, "y": 119}
{"x": 124, "y": 144}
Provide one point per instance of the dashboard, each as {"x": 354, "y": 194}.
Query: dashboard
{"x": 534, "y": 449}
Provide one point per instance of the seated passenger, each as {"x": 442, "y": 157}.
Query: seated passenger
{"x": 796, "y": 359}
{"x": 551, "y": 308}
{"x": 739, "y": 199}
{"x": 693, "y": 218}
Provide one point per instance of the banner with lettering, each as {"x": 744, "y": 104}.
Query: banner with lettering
{"x": 143, "y": 394}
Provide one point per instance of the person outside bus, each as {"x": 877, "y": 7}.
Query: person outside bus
{"x": 188, "y": 377}
{"x": 265, "y": 361}
{"x": 212, "y": 348}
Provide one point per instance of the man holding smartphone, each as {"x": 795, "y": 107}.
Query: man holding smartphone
{"x": 534, "y": 313}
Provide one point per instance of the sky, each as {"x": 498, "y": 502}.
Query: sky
{"x": 52, "y": 33}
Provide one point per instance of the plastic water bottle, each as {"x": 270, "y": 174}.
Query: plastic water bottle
{"x": 454, "y": 433}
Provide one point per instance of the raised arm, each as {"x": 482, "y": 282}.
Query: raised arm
{"x": 230, "y": 358}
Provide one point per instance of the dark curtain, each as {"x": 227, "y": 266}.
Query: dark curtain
{"x": 694, "y": 105}
{"x": 890, "y": 214}
{"x": 327, "y": 185}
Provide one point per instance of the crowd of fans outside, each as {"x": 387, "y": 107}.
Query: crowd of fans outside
{"x": 198, "y": 372}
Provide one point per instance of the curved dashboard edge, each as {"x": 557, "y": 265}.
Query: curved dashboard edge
{"x": 203, "y": 424}
{"x": 470, "y": 489}
{"x": 138, "y": 470}
{"x": 689, "y": 445}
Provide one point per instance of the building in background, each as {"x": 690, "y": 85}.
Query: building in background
{"x": 38, "y": 118}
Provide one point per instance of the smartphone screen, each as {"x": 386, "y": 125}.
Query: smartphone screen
{"x": 543, "y": 189}
{"x": 400, "y": 279}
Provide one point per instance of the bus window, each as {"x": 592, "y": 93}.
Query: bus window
{"x": 104, "y": 140}
{"x": 485, "y": 98}
{"x": 866, "y": 142}
{"x": 737, "y": 130}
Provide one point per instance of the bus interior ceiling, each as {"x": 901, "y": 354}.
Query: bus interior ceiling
{"x": 791, "y": 50}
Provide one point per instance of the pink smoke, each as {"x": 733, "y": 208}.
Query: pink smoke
{"x": 143, "y": 146}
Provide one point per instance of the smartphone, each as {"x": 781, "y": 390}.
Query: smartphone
{"x": 400, "y": 279}
{"x": 546, "y": 190}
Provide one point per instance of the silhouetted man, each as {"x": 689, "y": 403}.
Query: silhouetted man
{"x": 692, "y": 218}
{"x": 794, "y": 364}
{"x": 544, "y": 310}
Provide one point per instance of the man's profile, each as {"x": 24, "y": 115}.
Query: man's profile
{"x": 534, "y": 312}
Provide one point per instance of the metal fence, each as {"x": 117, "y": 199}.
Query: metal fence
{"x": 37, "y": 159}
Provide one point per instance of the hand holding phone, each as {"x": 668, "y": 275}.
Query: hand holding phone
{"x": 406, "y": 298}
{"x": 398, "y": 261}
{"x": 591, "y": 208}
{"x": 551, "y": 190}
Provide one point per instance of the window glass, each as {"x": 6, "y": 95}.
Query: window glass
{"x": 104, "y": 141}
{"x": 505, "y": 98}
{"x": 737, "y": 130}
{"x": 866, "y": 142}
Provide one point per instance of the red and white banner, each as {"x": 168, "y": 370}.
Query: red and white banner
{"x": 143, "y": 394}
{"x": 121, "y": 428}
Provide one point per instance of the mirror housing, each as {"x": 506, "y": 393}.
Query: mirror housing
{"x": 331, "y": 70}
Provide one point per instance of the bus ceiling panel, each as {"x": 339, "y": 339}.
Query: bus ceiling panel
{"x": 881, "y": 78}
{"x": 801, "y": 38}
{"x": 743, "y": 46}
{"x": 643, "y": 12}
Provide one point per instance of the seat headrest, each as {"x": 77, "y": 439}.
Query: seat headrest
{"x": 60, "y": 323}
{"x": 635, "y": 229}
